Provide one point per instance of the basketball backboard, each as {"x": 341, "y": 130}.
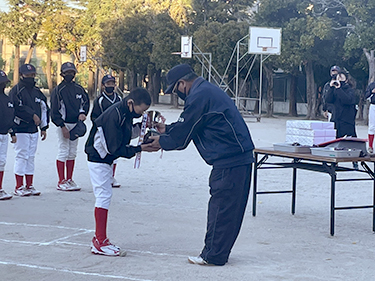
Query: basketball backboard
{"x": 186, "y": 47}
{"x": 264, "y": 40}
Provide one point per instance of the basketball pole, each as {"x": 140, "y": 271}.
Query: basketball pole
{"x": 260, "y": 85}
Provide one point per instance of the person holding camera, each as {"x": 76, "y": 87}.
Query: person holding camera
{"x": 370, "y": 95}
{"x": 328, "y": 107}
{"x": 342, "y": 96}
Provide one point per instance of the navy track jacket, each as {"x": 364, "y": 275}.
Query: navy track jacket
{"x": 6, "y": 115}
{"x": 216, "y": 127}
{"x": 68, "y": 101}
{"x": 28, "y": 102}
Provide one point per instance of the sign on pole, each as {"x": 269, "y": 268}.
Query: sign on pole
{"x": 186, "y": 47}
{"x": 83, "y": 54}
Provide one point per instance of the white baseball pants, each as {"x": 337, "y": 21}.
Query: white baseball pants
{"x": 371, "y": 120}
{"x": 3, "y": 151}
{"x": 25, "y": 149}
{"x": 67, "y": 149}
{"x": 101, "y": 180}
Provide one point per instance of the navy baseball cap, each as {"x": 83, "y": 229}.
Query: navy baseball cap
{"x": 78, "y": 131}
{"x": 3, "y": 77}
{"x": 66, "y": 66}
{"x": 27, "y": 69}
{"x": 107, "y": 78}
{"x": 175, "y": 74}
{"x": 335, "y": 68}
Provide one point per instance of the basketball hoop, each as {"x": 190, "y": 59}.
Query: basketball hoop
{"x": 264, "y": 49}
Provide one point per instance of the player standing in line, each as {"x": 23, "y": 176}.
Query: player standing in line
{"x": 101, "y": 103}
{"x": 69, "y": 104}
{"x": 109, "y": 139}
{"x": 6, "y": 126}
{"x": 31, "y": 112}
{"x": 370, "y": 95}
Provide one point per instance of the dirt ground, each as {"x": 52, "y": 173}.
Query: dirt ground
{"x": 159, "y": 217}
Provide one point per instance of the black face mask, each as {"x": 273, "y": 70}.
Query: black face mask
{"x": 2, "y": 87}
{"x": 28, "y": 81}
{"x": 134, "y": 114}
{"x": 109, "y": 90}
{"x": 180, "y": 94}
{"x": 68, "y": 78}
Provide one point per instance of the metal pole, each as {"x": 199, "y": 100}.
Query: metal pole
{"x": 237, "y": 74}
{"x": 260, "y": 85}
{"x": 209, "y": 68}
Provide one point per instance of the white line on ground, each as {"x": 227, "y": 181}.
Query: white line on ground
{"x": 41, "y": 225}
{"x": 82, "y": 231}
{"x": 72, "y": 271}
{"x": 66, "y": 237}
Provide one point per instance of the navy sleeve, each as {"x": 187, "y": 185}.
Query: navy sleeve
{"x": 22, "y": 111}
{"x": 179, "y": 134}
{"x": 85, "y": 102}
{"x": 369, "y": 89}
{"x": 55, "y": 107}
{"x": 96, "y": 111}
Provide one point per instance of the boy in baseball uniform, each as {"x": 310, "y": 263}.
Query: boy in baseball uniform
{"x": 6, "y": 126}
{"x": 31, "y": 112}
{"x": 69, "y": 104}
{"x": 107, "y": 98}
{"x": 109, "y": 139}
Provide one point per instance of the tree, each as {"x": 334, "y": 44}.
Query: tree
{"x": 165, "y": 38}
{"x": 304, "y": 40}
{"x": 125, "y": 44}
{"x": 17, "y": 26}
{"x": 57, "y": 29}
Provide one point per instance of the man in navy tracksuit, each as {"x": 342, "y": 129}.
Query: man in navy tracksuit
{"x": 6, "y": 126}
{"x": 69, "y": 105}
{"x": 107, "y": 98}
{"x": 31, "y": 112}
{"x": 222, "y": 138}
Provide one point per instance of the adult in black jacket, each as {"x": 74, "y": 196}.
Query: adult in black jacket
{"x": 31, "y": 112}
{"x": 69, "y": 105}
{"x": 6, "y": 126}
{"x": 107, "y": 98}
{"x": 370, "y": 95}
{"x": 211, "y": 120}
{"x": 329, "y": 107}
{"x": 109, "y": 139}
{"x": 342, "y": 96}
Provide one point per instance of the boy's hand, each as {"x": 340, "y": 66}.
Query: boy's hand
{"x": 149, "y": 147}
{"x": 65, "y": 132}
{"x": 14, "y": 139}
{"x": 43, "y": 134}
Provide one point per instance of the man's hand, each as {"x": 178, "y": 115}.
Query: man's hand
{"x": 149, "y": 147}
{"x": 155, "y": 142}
{"x": 160, "y": 127}
{"x": 36, "y": 120}
{"x": 373, "y": 91}
{"x": 65, "y": 132}
{"x": 14, "y": 139}
{"x": 82, "y": 117}
{"x": 43, "y": 134}
{"x": 325, "y": 114}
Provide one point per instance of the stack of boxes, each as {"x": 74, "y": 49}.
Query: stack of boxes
{"x": 309, "y": 133}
